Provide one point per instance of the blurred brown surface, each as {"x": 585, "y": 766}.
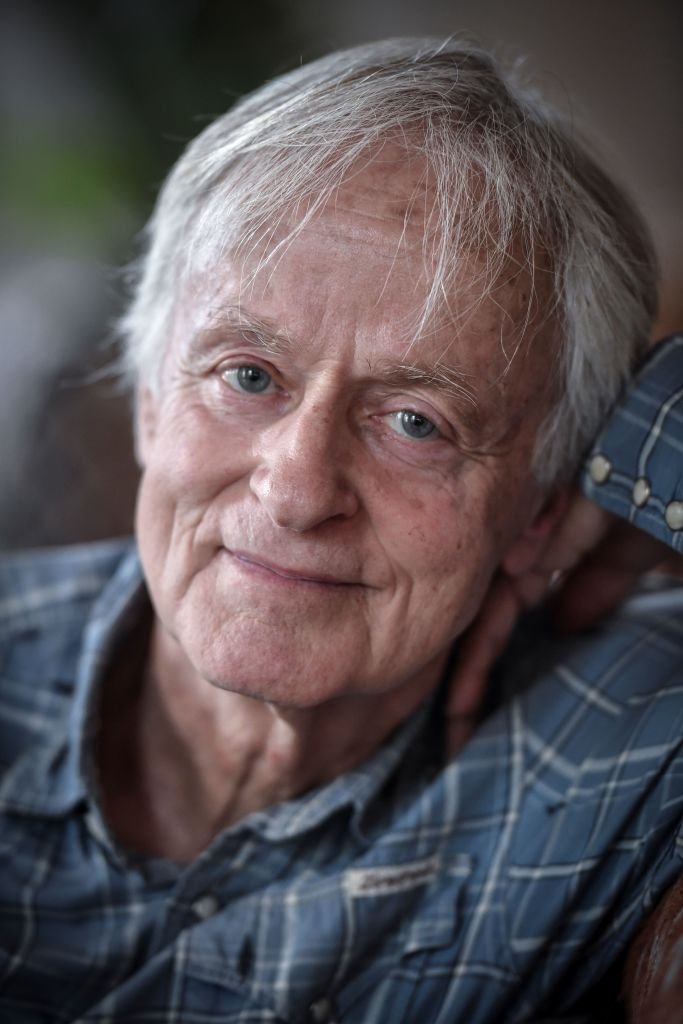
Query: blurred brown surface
{"x": 653, "y": 979}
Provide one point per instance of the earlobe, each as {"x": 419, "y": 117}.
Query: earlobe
{"x": 523, "y": 553}
{"x": 146, "y": 407}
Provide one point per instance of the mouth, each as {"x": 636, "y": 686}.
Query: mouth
{"x": 258, "y": 564}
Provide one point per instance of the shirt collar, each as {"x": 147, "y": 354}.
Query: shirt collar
{"x": 61, "y": 775}
{"x": 52, "y": 780}
{"x": 355, "y": 790}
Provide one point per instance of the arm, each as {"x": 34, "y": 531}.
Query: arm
{"x": 635, "y": 469}
{"x": 636, "y": 472}
{"x": 631, "y": 507}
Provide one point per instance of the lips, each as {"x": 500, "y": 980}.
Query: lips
{"x": 296, "y": 574}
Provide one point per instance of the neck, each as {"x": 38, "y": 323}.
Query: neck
{"x": 200, "y": 758}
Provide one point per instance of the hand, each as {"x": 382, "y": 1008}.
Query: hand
{"x": 590, "y": 562}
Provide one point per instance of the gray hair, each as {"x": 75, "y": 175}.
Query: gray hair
{"x": 510, "y": 182}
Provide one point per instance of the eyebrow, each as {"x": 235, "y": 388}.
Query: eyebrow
{"x": 260, "y": 332}
{"x": 454, "y": 384}
{"x": 451, "y": 382}
{"x": 437, "y": 376}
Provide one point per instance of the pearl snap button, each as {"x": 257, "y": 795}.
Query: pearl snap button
{"x": 673, "y": 514}
{"x": 205, "y": 906}
{"x": 641, "y": 491}
{"x": 599, "y": 469}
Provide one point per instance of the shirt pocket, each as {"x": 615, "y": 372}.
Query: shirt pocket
{"x": 327, "y": 941}
{"x": 578, "y": 890}
{"x": 404, "y": 919}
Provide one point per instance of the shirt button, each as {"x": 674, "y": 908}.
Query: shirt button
{"x": 673, "y": 514}
{"x": 321, "y": 1011}
{"x": 641, "y": 491}
{"x": 599, "y": 469}
{"x": 205, "y": 906}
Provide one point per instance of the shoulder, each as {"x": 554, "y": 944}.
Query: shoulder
{"x": 600, "y": 742}
{"x": 609, "y": 701}
{"x": 46, "y": 600}
{"x": 589, "y": 793}
{"x": 34, "y": 584}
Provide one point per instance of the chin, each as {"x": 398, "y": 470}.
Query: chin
{"x": 281, "y": 692}
{"x": 277, "y": 672}
{"x": 284, "y": 688}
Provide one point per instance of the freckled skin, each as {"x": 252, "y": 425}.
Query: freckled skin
{"x": 314, "y": 477}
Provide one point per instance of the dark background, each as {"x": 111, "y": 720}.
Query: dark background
{"x": 96, "y": 102}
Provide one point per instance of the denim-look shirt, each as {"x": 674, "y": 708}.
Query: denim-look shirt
{"x": 500, "y": 887}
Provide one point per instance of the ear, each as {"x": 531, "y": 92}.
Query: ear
{"x": 146, "y": 417}
{"x": 524, "y": 551}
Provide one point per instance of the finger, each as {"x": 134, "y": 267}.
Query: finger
{"x": 479, "y": 648}
{"x": 606, "y": 578}
{"x": 457, "y": 732}
{"x": 589, "y": 596}
{"x": 581, "y": 529}
{"x": 487, "y": 638}
{"x": 532, "y": 586}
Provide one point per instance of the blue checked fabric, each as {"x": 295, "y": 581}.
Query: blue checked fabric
{"x": 502, "y": 887}
{"x": 642, "y": 449}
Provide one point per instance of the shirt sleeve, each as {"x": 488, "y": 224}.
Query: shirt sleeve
{"x": 635, "y": 467}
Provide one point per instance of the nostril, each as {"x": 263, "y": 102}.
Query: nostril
{"x": 300, "y": 491}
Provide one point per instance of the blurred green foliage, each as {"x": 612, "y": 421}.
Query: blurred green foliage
{"x": 162, "y": 69}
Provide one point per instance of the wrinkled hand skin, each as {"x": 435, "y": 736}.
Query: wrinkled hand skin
{"x": 588, "y": 565}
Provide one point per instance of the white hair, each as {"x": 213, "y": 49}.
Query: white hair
{"x": 510, "y": 183}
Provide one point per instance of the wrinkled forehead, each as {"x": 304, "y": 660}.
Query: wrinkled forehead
{"x": 387, "y": 188}
{"x": 378, "y": 240}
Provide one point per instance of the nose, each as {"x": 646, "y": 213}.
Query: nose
{"x": 300, "y": 477}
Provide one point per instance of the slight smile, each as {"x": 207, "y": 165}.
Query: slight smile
{"x": 254, "y": 563}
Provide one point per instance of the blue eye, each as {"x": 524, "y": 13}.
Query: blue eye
{"x": 412, "y": 424}
{"x": 253, "y": 380}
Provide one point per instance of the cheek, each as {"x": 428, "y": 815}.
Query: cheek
{"x": 195, "y": 457}
{"x": 445, "y": 542}
{"x": 189, "y": 467}
{"x": 154, "y": 518}
{"x": 436, "y": 519}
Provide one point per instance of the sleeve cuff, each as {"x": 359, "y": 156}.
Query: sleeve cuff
{"x": 635, "y": 467}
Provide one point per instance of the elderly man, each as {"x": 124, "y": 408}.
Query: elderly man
{"x": 386, "y": 303}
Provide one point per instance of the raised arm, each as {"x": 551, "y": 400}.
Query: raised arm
{"x": 625, "y": 519}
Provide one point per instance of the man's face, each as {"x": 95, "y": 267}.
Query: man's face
{"x": 322, "y": 504}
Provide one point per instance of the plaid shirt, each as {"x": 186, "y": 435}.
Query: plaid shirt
{"x": 636, "y": 467}
{"x": 500, "y": 887}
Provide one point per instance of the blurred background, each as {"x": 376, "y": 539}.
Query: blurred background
{"x": 98, "y": 98}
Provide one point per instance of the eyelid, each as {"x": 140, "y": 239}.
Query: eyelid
{"x": 233, "y": 362}
{"x": 242, "y": 358}
{"x": 420, "y": 405}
